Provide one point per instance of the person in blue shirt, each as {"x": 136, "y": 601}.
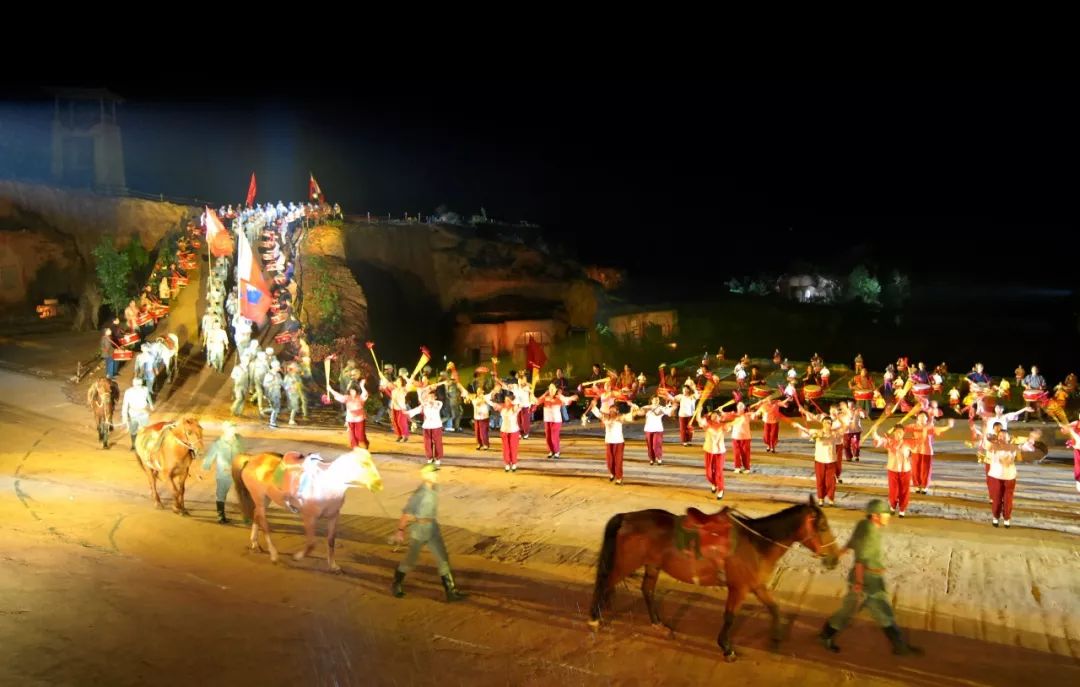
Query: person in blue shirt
{"x": 978, "y": 375}
{"x": 920, "y": 375}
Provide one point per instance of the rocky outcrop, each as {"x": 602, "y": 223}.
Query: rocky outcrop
{"x": 457, "y": 267}
{"x": 322, "y": 257}
{"x": 47, "y": 236}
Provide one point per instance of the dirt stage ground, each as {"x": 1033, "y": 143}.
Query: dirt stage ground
{"x": 98, "y": 587}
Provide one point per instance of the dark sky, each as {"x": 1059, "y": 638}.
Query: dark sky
{"x": 957, "y": 176}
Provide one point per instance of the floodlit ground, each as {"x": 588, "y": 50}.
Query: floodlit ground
{"x": 98, "y": 587}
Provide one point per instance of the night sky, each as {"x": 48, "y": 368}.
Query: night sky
{"x": 942, "y": 177}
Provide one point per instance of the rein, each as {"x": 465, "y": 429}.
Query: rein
{"x": 736, "y": 517}
{"x": 382, "y": 507}
{"x": 189, "y": 444}
{"x": 102, "y": 400}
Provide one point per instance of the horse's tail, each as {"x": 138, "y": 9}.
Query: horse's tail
{"x": 604, "y": 567}
{"x": 247, "y": 502}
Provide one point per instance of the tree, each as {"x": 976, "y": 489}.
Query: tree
{"x": 758, "y": 287}
{"x": 897, "y": 290}
{"x": 863, "y": 286}
{"x": 139, "y": 260}
{"x": 167, "y": 254}
{"x": 114, "y": 274}
{"x": 581, "y": 305}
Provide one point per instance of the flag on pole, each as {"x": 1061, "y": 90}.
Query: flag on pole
{"x": 254, "y": 294}
{"x": 251, "y": 191}
{"x": 314, "y": 192}
{"x": 218, "y": 238}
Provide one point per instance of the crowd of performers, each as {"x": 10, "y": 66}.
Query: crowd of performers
{"x": 271, "y": 378}
{"x": 509, "y": 406}
{"x": 431, "y": 405}
{"x": 258, "y": 376}
{"x": 128, "y": 340}
{"x": 122, "y": 338}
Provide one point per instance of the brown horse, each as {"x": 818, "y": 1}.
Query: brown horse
{"x": 311, "y": 486}
{"x": 102, "y": 397}
{"x": 167, "y": 449}
{"x": 723, "y": 548}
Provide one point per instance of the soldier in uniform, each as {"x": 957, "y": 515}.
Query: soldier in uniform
{"x": 232, "y": 304}
{"x": 294, "y": 390}
{"x": 303, "y": 353}
{"x": 271, "y": 385}
{"x": 135, "y": 411}
{"x": 867, "y": 583}
{"x": 241, "y": 332}
{"x": 206, "y": 324}
{"x": 454, "y": 403}
{"x": 421, "y": 512}
{"x": 221, "y": 269}
{"x": 217, "y": 342}
{"x": 256, "y": 372}
{"x": 239, "y": 378}
{"x": 220, "y": 456}
{"x": 271, "y": 357}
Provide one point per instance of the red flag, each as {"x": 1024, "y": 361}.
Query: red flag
{"x": 534, "y": 354}
{"x": 254, "y": 294}
{"x": 314, "y": 192}
{"x": 218, "y": 238}
{"x": 251, "y": 191}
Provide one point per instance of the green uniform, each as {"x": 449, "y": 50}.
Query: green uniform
{"x": 239, "y": 376}
{"x": 423, "y": 506}
{"x": 294, "y": 390}
{"x": 220, "y": 456}
{"x": 866, "y": 544}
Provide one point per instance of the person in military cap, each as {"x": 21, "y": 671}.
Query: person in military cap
{"x": 239, "y": 376}
{"x": 220, "y": 457}
{"x": 866, "y": 583}
{"x": 272, "y": 388}
{"x": 420, "y": 511}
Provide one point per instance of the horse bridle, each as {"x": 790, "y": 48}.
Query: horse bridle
{"x": 189, "y": 444}
{"x": 103, "y": 401}
{"x": 738, "y": 521}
